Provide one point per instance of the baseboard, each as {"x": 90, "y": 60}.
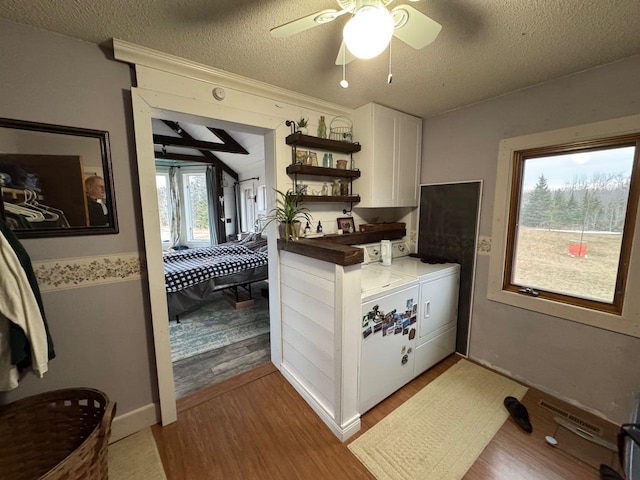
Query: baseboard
{"x": 134, "y": 421}
{"x": 343, "y": 433}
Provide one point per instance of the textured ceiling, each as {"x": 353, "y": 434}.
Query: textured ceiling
{"x": 486, "y": 47}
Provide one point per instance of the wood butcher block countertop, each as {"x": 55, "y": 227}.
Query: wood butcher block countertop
{"x": 337, "y": 249}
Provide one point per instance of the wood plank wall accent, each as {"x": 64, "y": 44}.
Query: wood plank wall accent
{"x": 308, "y": 308}
{"x": 320, "y": 333}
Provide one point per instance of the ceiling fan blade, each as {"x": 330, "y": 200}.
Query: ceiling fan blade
{"x": 305, "y": 23}
{"x": 413, "y": 27}
{"x": 344, "y": 53}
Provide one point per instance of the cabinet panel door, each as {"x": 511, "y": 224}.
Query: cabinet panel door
{"x": 438, "y": 304}
{"x": 408, "y": 160}
{"x": 385, "y": 145}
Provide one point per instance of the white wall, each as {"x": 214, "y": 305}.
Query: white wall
{"x": 593, "y": 367}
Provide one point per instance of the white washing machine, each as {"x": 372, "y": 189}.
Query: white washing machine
{"x": 437, "y": 315}
{"x": 389, "y": 333}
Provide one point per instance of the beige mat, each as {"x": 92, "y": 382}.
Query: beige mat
{"x": 439, "y": 432}
{"x": 135, "y": 458}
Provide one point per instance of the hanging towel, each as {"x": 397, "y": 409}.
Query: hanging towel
{"x": 18, "y": 306}
{"x": 20, "y": 350}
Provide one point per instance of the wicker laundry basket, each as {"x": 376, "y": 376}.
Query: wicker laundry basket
{"x": 56, "y": 435}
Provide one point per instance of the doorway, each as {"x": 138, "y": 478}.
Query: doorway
{"x": 214, "y": 258}
{"x": 146, "y": 106}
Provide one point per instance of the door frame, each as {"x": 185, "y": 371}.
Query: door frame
{"x": 148, "y": 105}
{"x": 170, "y": 85}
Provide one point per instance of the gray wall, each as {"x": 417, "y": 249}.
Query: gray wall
{"x": 594, "y": 367}
{"x": 102, "y": 334}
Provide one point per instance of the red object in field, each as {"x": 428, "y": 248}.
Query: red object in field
{"x": 577, "y": 249}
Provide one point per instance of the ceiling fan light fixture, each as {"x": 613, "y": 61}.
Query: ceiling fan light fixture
{"x": 369, "y": 32}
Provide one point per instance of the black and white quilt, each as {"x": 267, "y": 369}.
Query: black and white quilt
{"x": 189, "y": 267}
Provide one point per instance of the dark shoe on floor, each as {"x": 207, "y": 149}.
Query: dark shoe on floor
{"x": 608, "y": 473}
{"x": 519, "y": 413}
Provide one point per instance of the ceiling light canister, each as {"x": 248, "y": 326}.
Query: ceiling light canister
{"x": 369, "y": 32}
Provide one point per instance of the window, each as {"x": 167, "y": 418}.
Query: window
{"x": 196, "y": 207}
{"x": 568, "y": 223}
{"x": 565, "y": 212}
{"x": 164, "y": 205}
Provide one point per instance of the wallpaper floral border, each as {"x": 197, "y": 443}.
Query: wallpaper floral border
{"x": 63, "y": 274}
{"x": 484, "y": 245}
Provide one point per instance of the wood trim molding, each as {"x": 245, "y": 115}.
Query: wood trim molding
{"x": 68, "y": 273}
{"x": 139, "y": 55}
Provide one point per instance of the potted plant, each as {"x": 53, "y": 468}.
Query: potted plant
{"x": 303, "y": 123}
{"x": 288, "y": 215}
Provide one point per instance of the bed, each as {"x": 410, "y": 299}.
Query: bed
{"x": 194, "y": 276}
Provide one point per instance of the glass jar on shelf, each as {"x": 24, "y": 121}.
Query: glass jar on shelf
{"x": 335, "y": 187}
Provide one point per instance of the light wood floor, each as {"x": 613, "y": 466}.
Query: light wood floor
{"x": 256, "y": 426}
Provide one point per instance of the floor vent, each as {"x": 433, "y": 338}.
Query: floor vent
{"x": 572, "y": 418}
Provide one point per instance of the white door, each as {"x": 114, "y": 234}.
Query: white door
{"x": 387, "y": 353}
{"x": 408, "y": 161}
{"x": 384, "y": 154}
{"x": 438, "y": 304}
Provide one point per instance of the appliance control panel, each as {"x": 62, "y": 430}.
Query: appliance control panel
{"x": 372, "y": 251}
{"x": 399, "y": 249}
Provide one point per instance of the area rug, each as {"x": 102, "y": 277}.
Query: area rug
{"x": 135, "y": 457}
{"x": 218, "y": 324}
{"x": 439, "y": 432}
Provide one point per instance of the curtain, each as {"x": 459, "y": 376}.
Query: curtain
{"x": 176, "y": 207}
{"x": 215, "y": 210}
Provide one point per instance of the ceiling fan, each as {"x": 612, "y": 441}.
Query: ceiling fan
{"x": 370, "y": 28}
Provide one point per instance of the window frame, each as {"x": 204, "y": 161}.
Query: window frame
{"x": 520, "y": 157}
{"x": 186, "y": 205}
{"x": 164, "y": 171}
{"x": 621, "y": 316}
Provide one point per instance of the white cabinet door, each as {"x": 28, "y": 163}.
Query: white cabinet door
{"x": 438, "y": 305}
{"x": 408, "y": 160}
{"x": 384, "y": 153}
{"x": 386, "y": 357}
{"x": 390, "y": 157}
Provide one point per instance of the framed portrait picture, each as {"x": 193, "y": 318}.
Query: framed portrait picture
{"x": 346, "y": 224}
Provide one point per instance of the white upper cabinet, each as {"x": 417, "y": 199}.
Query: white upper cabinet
{"x": 390, "y": 157}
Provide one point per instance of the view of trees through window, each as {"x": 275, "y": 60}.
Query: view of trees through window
{"x": 198, "y": 207}
{"x": 571, "y": 221}
{"x": 164, "y": 207}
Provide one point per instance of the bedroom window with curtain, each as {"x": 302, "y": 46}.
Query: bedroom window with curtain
{"x": 164, "y": 205}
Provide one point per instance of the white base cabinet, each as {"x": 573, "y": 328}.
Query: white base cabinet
{"x": 390, "y": 157}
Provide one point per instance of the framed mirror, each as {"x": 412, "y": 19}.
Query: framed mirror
{"x": 55, "y": 180}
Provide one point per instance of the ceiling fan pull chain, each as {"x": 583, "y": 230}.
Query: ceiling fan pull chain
{"x": 390, "y": 77}
{"x": 343, "y": 82}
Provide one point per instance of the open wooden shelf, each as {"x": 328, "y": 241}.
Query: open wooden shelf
{"x": 299, "y": 140}
{"x": 329, "y": 198}
{"x": 300, "y": 169}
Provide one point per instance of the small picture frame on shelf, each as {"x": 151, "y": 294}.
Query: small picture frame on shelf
{"x": 313, "y": 159}
{"x": 346, "y": 224}
{"x": 302, "y": 157}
